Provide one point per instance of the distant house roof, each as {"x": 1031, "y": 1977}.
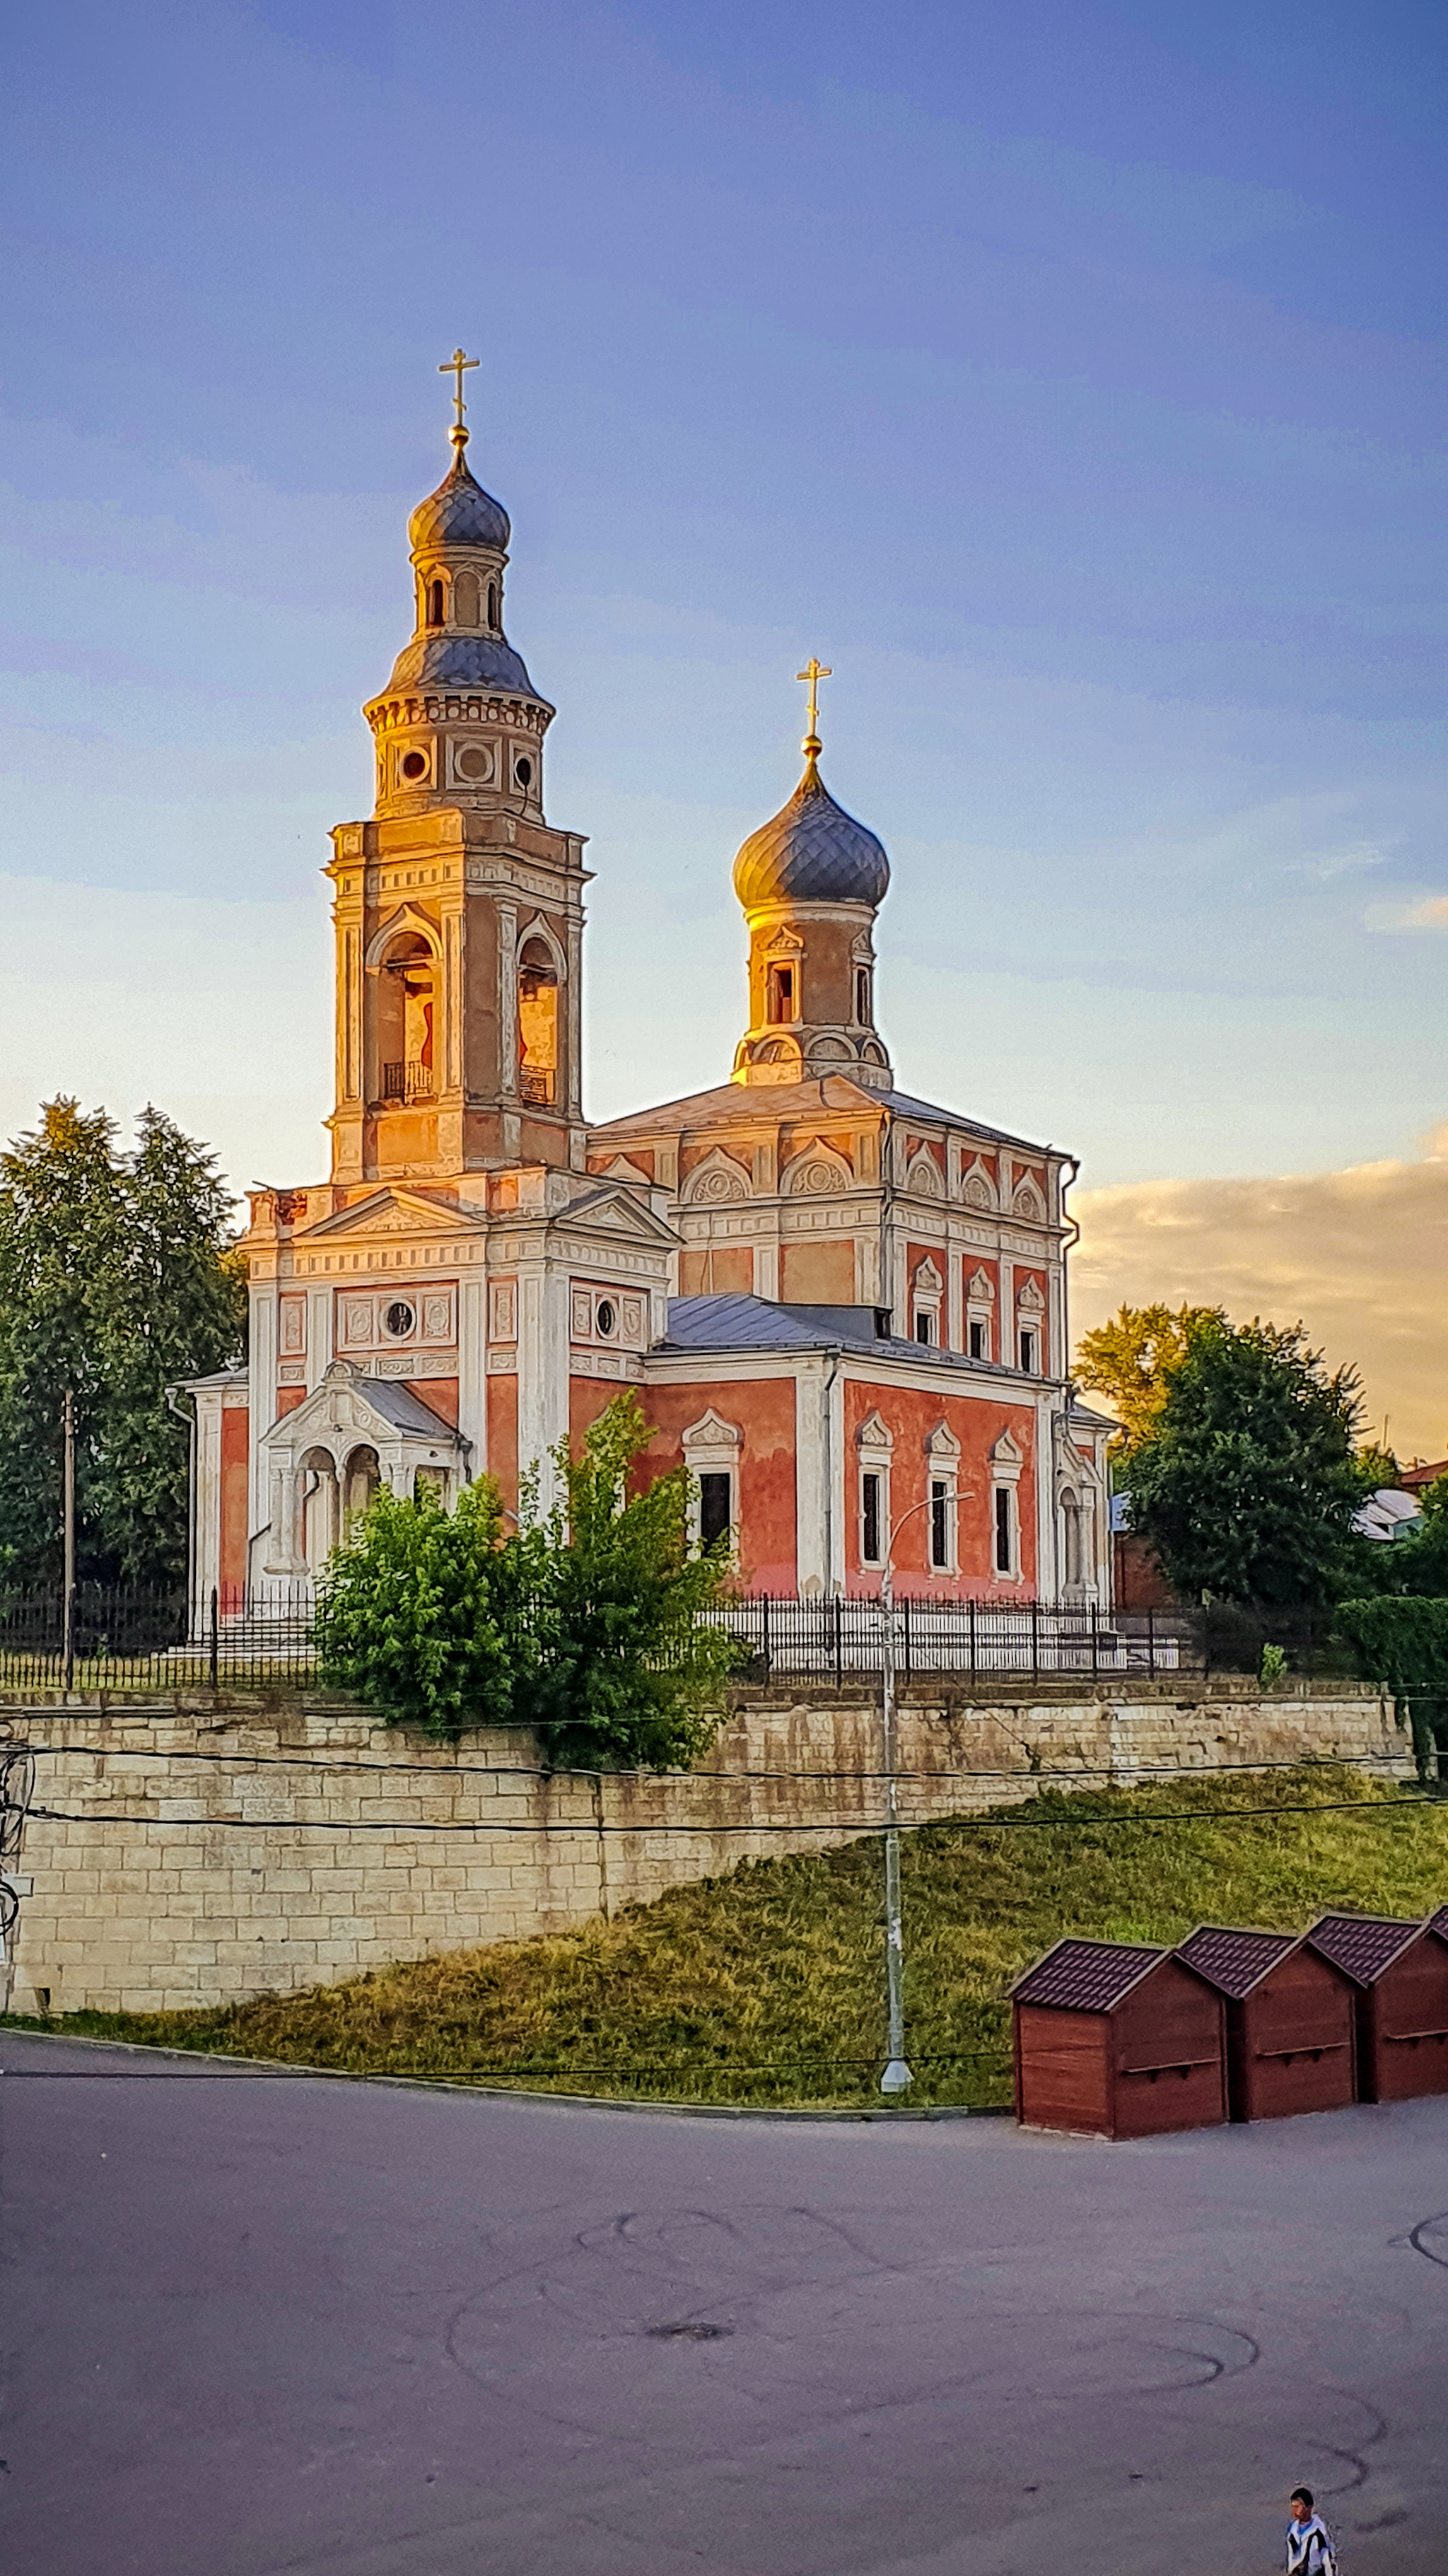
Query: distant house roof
{"x": 1086, "y": 1976}
{"x": 1414, "y": 1479}
{"x": 1363, "y": 1945}
{"x": 740, "y": 1323}
{"x": 1387, "y": 1514}
{"x": 1231, "y": 1960}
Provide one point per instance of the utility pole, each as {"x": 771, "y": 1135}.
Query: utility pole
{"x": 68, "y": 1613}
{"x": 897, "y": 2076}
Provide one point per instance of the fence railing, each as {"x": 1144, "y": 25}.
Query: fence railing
{"x": 120, "y": 1638}
{"x": 835, "y": 1639}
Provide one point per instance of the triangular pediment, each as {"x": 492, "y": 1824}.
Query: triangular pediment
{"x": 342, "y": 1412}
{"x": 617, "y": 1210}
{"x": 392, "y": 1211}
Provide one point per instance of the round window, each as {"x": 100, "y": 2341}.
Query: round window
{"x": 414, "y": 764}
{"x": 607, "y": 1315}
{"x": 399, "y": 1320}
{"x": 523, "y": 772}
{"x": 474, "y": 761}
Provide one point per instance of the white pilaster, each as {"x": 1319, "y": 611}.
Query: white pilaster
{"x": 472, "y": 1370}
{"x": 262, "y": 1391}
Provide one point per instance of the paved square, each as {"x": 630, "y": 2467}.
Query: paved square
{"x": 257, "y": 2323}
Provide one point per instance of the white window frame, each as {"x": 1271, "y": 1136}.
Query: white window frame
{"x": 927, "y": 1296}
{"x": 1031, "y": 1318}
{"x": 980, "y": 1303}
{"x": 942, "y": 1467}
{"x": 1006, "y": 1462}
{"x": 713, "y": 1447}
{"x": 875, "y": 1443}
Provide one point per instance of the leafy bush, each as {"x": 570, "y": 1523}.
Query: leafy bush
{"x": 1403, "y": 1643}
{"x": 612, "y": 1665}
{"x": 407, "y": 1612}
{"x": 584, "y": 1624}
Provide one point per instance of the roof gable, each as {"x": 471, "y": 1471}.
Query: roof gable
{"x": 1364, "y": 1946}
{"x": 1233, "y": 1960}
{"x": 1087, "y": 1976}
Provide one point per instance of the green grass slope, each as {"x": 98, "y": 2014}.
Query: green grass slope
{"x": 766, "y": 1986}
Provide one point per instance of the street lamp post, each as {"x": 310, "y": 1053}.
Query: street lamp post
{"x": 897, "y": 2076}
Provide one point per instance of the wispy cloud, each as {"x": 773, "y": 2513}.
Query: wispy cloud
{"x": 1430, "y": 912}
{"x": 1359, "y": 1256}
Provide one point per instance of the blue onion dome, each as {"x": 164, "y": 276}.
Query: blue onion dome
{"x": 459, "y": 513}
{"x": 811, "y": 852}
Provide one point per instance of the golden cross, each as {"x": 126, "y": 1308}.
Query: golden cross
{"x": 457, "y": 365}
{"x": 814, "y": 672}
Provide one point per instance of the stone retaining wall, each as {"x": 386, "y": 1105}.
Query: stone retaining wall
{"x": 182, "y": 1853}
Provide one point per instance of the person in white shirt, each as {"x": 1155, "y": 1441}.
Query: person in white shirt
{"x": 1309, "y": 2543}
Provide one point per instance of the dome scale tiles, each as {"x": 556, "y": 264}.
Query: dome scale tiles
{"x": 459, "y": 513}
{"x": 812, "y": 851}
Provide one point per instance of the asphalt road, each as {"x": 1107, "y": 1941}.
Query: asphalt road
{"x": 279, "y": 2323}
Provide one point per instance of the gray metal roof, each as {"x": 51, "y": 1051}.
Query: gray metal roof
{"x": 734, "y": 1104}
{"x": 405, "y": 1410}
{"x": 739, "y": 1323}
{"x": 462, "y": 662}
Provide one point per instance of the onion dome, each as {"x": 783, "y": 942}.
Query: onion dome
{"x": 459, "y": 513}
{"x": 812, "y": 851}
{"x": 461, "y": 662}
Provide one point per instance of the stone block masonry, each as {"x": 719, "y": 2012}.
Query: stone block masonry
{"x": 178, "y": 1854}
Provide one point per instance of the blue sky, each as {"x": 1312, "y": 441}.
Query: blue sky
{"x": 1069, "y": 377}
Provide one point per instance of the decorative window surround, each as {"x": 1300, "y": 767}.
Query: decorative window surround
{"x": 875, "y": 1443}
{"x": 712, "y": 1447}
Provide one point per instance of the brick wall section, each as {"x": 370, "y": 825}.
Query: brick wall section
{"x": 186, "y": 1880}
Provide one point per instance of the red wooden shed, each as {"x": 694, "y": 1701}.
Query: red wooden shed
{"x": 1290, "y": 2020}
{"x": 1400, "y": 1975}
{"x": 1120, "y": 2041}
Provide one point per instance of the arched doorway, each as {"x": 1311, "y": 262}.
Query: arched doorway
{"x": 361, "y": 1478}
{"x": 317, "y": 1483}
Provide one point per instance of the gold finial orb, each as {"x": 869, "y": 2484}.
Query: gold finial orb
{"x": 814, "y": 671}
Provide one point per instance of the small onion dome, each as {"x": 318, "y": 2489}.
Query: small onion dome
{"x": 461, "y": 662}
{"x": 811, "y": 852}
{"x": 459, "y": 513}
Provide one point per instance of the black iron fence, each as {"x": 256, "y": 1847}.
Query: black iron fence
{"x": 119, "y": 1638}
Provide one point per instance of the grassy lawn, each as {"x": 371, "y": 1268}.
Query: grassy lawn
{"x": 766, "y": 1986}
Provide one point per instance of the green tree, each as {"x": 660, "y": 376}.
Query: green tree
{"x": 408, "y": 1611}
{"x": 616, "y": 1664}
{"x": 1247, "y": 1484}
{"x": 116, "y": 1279}
{"x": 1131, "y": 1362}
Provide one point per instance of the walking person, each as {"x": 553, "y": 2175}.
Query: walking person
{"x": 1309, "y": 2543}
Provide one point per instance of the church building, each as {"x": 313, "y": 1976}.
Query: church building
{"x": 842, "y": 1306}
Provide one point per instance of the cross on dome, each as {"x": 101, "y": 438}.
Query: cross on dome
{"x": 814, "y": 671}
{"x": 457, "y": 365}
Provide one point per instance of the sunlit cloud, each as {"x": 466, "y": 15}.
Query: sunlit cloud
{"x": 1430, "y": 913}
{"x": 1359, "y": 1256}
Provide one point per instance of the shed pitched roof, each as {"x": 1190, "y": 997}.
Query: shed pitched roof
{"x": 1439, "y": 1922}
{"x": 1087, "y": 1976}
{"x": 1234, "y": 1961}
{"x": 733, "y": 1104}
{"x": 1363, "y": 1945}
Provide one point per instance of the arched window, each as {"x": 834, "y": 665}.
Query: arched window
{"x": 406, "y": 1011}
{"x": 862, "y": 995}
{"x": 781, "y": 997}
{"x": 434, "y": 603}
{"x": 493, "y": 604}
{"x": 465, "y": 599}
{"x": 537, "y": 1023}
